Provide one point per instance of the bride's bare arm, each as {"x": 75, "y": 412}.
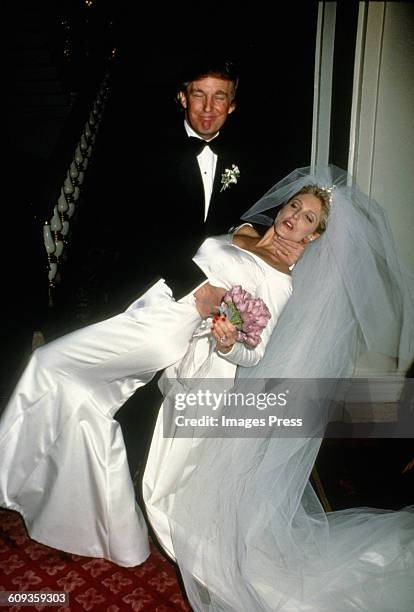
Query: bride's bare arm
{"x": 246, "y": 230}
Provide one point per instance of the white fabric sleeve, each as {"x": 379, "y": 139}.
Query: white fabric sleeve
{"x": 275, "y": 295}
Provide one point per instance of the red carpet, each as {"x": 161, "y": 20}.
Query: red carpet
{"x": 92, "y": 584}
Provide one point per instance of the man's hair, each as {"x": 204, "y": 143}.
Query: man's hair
{"x": 214, "y": 67}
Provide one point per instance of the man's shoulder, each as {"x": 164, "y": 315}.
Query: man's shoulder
{"x": 168, "y": 146}
{"x": 173, "y": 134}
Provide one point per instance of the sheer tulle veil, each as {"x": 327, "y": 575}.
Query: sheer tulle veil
{"x": 249, "y": 532}
{"x": 351, "y": 278}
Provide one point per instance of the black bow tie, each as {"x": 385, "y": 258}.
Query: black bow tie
{"x": 197, "y": 145}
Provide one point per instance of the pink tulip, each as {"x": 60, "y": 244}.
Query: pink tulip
{"x": 252, "y": 311}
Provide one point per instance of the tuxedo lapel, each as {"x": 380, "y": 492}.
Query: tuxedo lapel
{"x": 222, "y": 211}
{"x": 184, "y": 184}
{"x": 192, "y": 190}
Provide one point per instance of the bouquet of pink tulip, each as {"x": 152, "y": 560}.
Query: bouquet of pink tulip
{"x": 250, "y": 315}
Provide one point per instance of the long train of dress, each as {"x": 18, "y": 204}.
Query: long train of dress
{"x": 252, "y": 537}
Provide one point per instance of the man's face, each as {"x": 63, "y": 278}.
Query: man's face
{"x": 207, "y": 103}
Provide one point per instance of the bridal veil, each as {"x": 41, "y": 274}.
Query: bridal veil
{"x": 248, "y": 530}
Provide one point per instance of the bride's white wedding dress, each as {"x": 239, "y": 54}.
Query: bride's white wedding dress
{"x": 239, "y": 515}
{"x": 62, "y": 455}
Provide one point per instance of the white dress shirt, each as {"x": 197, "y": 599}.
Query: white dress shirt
{"x": 207, "y": 160}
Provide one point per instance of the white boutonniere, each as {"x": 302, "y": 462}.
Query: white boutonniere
{"x": 229, "y": 176}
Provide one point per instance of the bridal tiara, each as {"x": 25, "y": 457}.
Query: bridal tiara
{"x": 329, "y": 191}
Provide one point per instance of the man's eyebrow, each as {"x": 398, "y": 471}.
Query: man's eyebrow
{"x": 220, "y": 92}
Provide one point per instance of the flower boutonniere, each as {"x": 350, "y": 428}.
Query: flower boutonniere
{"x": 229, "y": 176}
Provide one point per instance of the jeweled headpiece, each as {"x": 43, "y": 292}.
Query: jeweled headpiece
{"x": 329, "y": 191}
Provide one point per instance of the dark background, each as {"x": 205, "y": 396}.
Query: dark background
{"x": 275, "y": 55}
{"x": 56, "y": 56}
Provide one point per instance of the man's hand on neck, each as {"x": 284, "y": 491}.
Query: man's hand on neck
{"x": 289, "y": 252}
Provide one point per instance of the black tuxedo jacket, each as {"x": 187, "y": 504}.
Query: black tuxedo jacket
{"x": 168, "y": 222}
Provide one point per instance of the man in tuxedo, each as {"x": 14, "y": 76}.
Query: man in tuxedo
{"x": 185, "y": 196}
{"x": 185, "y": 201}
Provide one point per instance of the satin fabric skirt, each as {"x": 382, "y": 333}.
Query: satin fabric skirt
{"x": 62, "y": 455}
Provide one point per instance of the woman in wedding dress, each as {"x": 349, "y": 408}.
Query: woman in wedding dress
{"x": 62, "y": 455}
{"x": 238, "y": 513}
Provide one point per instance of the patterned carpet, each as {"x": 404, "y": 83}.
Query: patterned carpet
{"x": 92, "y": 584}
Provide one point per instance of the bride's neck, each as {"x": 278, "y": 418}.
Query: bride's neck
{"x": 267, "y": 239}
{"x": 262, "y": 246}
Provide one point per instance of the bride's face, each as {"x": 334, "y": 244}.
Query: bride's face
{"x": 299, "y": 218}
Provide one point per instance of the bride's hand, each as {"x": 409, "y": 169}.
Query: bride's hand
{"x": 224, "y": 333}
